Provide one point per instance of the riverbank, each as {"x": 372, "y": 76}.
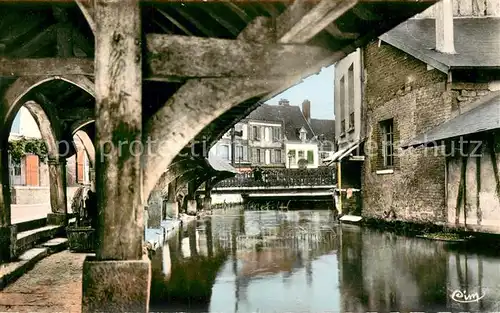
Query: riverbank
{"x": 485, "y": 242}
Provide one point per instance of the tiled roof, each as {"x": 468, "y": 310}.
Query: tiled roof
{"x": 324, "y": 127}
{"x": 477, "y": 42}
{"x": 290, "y": 116}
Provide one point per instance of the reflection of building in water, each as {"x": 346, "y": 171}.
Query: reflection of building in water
{"x": 471, "y": 277}
{"x": 383, "y": 272}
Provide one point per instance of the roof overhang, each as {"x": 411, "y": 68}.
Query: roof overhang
{"x": 341, "y": 154}
{"x": 220, "y": 165}
{"x": 485, "y": 116}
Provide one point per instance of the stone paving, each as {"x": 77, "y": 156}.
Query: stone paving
{"x": 53, "y": 285}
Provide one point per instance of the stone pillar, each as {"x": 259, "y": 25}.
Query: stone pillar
{"x": 7, "y": 231}
{"x": 191, "y": 202}
{"x": 58, "y": 194}
{"x": 191, "y": 207}
{"x": 155, "y": 205}
{"x": 207, "y": 201}
{"x": 118, "y": 278}
{"x": 172, "y": 207}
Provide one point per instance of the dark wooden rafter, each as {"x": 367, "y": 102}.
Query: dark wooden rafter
{"x": 333, "y": 30}
{"x": 233, "y": 30}
{"x": 365, "y": 14}
{"x": 175, "y": 22}
{"x": 42, "y": 39}
{"x": 299, "y": 27}
{"x": 239, "y": 11}
{"x": 195, "y": 22}
{"x": 64, "y": 32}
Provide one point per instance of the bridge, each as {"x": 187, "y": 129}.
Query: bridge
{"x": 280, "y": 185}
{"x": 154, "y": 84}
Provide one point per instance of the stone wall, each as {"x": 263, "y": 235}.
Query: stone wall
{"x": 402, "y": 88}
{"x": 417, "y": 98}
{"x": 30, "y": 195}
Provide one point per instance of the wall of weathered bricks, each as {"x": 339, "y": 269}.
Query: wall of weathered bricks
{"x": 401, "y": 87}
{"x": 418, "y": 98}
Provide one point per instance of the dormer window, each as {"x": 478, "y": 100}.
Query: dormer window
{"x": 303, "y": 134}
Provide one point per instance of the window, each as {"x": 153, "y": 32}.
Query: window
{"x": 303, "y": 135}
{"x": 351, "y": 120}
{"x": 238, "y": 153}
{"x": 223, "y": 152}
{"x": 387, "y": 142}
{"x": 342, "y": 104}
{"x": 291, "y": 157}
{"x": 276, "y": 134}
{"x": 310, "y": 157}
{"x": 277, "y": 156}
{"x": 256, "y": 133}
{"x": 350, "y": 87}
{"x": 238, "y": 127}
{"x": 259, "y": 159}
{"x": 301, "y": 154}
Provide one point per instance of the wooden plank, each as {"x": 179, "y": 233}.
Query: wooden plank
{"x": 46, "y": 66}
{"x": 118, "y": 81}
{"x": 300, "y": 25}
{"x": 193, "y": 57}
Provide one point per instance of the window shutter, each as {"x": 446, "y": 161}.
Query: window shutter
{"x": 262, "y": 155}
{"x": 396, "y": 142}
{"x": 250, "y": 132}
{"x": 80, "y": 166}
{"x": 245, "y": 153}
{"x": 254, "y": 155}
{"x": 271, "y": 156}
{"x": 32, "y": 170}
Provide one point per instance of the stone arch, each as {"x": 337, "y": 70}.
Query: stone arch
{"x": 46, "y": 127}
{"x": 88, "y": 144}
{"x": 12, "y": 100}
{"x": 195, "y": 105}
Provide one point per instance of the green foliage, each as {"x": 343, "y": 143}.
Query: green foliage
{"x": 19, "y": 148}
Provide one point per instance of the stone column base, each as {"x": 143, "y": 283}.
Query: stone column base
{"x": 191, "y": 207}
{"x": 57, "y": 219}
{"x": 8, "y": 236}
{"x": 116, "y": 286}
{"x": 172, "y": 210}
{"x": 207, "y": 203}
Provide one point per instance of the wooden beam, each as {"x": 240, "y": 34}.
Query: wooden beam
{"x": 46, "y": 66}
{"x": 333, "y": 30}
{"x": 298, "y": 25}
{"x": 191, "y": 57}
{"x": 46, "y": 37}
{"x": 87, "y": 8}
{"x": 233, "y": 30}
{"x": 175, "y": 22}
{"x": 196, "y": 22}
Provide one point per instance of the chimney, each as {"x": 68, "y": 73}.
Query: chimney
{"x": 284, "y": 102}
{"x": 306, "y": 110}
{"x": 444, "y": 27}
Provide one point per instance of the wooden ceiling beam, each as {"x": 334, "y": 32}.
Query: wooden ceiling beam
{"x": 333, "y": 30}
{"x": 196, "y": 22}
{"x": 299, "y": 25}
{"x": 43, "y": 38}
{"x": 233, "y": 30}
{"x": 175, "y": 22}
{"x": 87, "y": 8}
{"x": 170, "y": 58}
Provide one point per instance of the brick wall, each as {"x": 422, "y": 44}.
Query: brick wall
{"x": 401, "y": 88}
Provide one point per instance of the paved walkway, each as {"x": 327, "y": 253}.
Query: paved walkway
{"x": 53, "y": 285}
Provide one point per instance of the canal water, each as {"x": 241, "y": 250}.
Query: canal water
{"x": 301, "y": 261}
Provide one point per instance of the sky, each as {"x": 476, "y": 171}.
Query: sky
{"x": 316, "y": 88}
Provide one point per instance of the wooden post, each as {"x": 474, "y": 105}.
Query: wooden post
{"x": 118, "y": 125}
{"x": 118, "y": 279}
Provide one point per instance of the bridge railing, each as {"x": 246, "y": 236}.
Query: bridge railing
{"x": 283, "y": 177}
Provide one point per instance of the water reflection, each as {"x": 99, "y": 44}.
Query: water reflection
{"x": 299, "y": 261}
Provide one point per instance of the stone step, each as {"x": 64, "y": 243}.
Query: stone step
{"x": 31, "y": 238}
{"x": 56, "y": 244}
{"x": 9, "y": 272}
